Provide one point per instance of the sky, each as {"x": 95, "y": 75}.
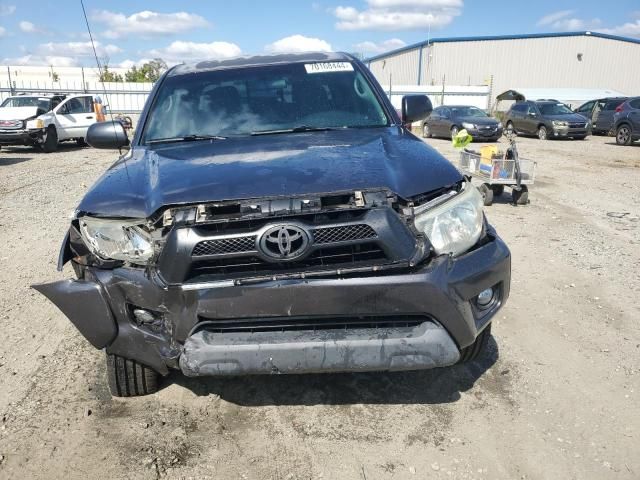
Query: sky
{"x": 129, "y": 33}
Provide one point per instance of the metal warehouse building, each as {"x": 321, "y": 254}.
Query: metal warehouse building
{"x": 570, "y": 60}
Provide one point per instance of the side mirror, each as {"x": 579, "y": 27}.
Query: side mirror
{"x": 415, "y": 108}
{"x": 64, "y": 109}
{"x": 107, "y": 135}
{"x": 532, "y": 114}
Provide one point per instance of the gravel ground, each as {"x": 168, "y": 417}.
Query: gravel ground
{"x": 555, "y": 397}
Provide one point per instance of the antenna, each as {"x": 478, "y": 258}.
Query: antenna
{"x": 104, "y": 89}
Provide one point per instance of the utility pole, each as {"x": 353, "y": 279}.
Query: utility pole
{"x": 11, "y": 90}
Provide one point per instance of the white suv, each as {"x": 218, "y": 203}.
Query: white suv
{"x": 46, "y": 120}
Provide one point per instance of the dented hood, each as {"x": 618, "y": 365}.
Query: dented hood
{"x": 17, "y": 113}
{"x": 267, "y": 166}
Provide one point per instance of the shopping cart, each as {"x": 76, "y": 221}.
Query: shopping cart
{"x": 497, "y": 170}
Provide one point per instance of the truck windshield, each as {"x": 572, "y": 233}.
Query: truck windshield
{"x": 43, "y": 104}
{"x": 260, "y": 100}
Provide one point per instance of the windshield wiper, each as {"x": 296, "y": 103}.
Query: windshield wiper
{"x": 301, "y": 128}
{"x": 186, "y": 138}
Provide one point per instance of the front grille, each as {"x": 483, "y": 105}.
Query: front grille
{"x": 222, "y": 246}
{"x": 577, "y": 125}
{"x": 11, "y": 124}
{"x": 343, "y": 233}
{"x": 317, "y": 323}
{"x": 344, "y": 256}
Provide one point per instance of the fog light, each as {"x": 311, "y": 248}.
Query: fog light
{"x": 484, "y": 298}
{"x": 143, "y": 316}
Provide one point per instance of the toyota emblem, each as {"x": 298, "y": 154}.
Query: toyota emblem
{"x": 284, "y": 242}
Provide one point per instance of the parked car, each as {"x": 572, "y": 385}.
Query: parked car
{"x": 600, "y": 112}
{"x": 274, "y": 215}
{"x": 547, "y": 119}
{"x": 447, "y": 121}
{"x": 44, "y": 121}
{"x": 626, "y": 121}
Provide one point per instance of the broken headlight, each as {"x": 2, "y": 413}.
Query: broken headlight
{"x": 124, "y": 240}
{"x": 455, "y": 225}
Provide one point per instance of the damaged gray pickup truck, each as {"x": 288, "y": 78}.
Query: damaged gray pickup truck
{"x": 274, "y": 215}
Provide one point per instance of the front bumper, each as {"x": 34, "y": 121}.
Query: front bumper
{"x": 486, "y": 134}
{"x": 21, "y": 137}
{"x": 570, "y": 132}
{"x": 443, "y": 290}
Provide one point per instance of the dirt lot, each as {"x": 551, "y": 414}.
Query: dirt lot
{"x": 557, "y": 397}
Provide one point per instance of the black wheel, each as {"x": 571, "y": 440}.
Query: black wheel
{"x": 426, "y": 131}
{"x": 454, "y": 131}
{"x": 623, "y": 135}
{"x": 487, "y": 194}
{"x": 497, "y": 190}
{"x": 542, "y": 132}
{"x": 50, "y": 143}
{"x": 520, "y": 197}
{"x": 81, "y": 142}
{"x": 477, "y": 348}
{"x": 511, "y": 127}
{"x": 128, "y": 378}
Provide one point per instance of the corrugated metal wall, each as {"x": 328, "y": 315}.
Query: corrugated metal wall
{"x": 527, "y": 62}
{"x": 402, "y": 67}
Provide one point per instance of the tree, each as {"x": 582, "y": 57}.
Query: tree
{"x": 107, "y": 76}
{"x": 54, "y": 76}
{"x": 149, "y": 72}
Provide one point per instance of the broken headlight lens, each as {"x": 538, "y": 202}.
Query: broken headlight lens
{"x": 124, "y": 240}
{"x": 454, "y": 226}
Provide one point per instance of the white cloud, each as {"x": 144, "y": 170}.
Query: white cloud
{"x": 180, "y": 51}
{"x": 380, "y": 47}
{"x": 298, "y": 43}
{"x": 147, "y": 23}
{"x": 554, "y": 17}
{"x": 563, "y": 21}
{"x": 28, "y": 27}
{"x": 6, "y": 10}
{"x": 398, "y": 15}
{"x": 3, "y": 31}
{"x": 132, "y": 63}
{"x": 77, "y": 49}
{"x": 629, "y": 29}
{"x": 39, "y": 60}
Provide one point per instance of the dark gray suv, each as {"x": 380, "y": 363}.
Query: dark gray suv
{"x": 601, "y": 112}
{"x": 547, "y": 119}
{"x": 626, "y": 120}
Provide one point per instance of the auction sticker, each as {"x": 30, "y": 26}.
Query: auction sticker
{"x": 327, "y": 67}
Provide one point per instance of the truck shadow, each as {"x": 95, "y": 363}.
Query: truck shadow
{"x": 6, "y": 161}
{"x": 440, "y": 385}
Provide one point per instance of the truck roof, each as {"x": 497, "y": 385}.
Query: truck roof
{"x": 259, "y": 60}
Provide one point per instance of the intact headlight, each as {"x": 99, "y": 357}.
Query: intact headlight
{"x": 117, "y": 239}
{"x": 558, "y": 123}
{"x": 468, "y": 126}
{"x": 454, "y": 226}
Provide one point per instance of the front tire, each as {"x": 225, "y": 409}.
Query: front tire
{"x": 487, "y": 194}
{"x": 128, "y": 378}
{"x": 50, "y": 143}
{"x": 511, "y": 127}
{"x": 426, "y": 131}
{"x": 520, "y": 197}
{"x": 542, "y": 132}
{"x": 623, "y": 135}
{"x": 454, "y": 132}
{"x": 80, "y": 142}
{"x": 477, "y": 348}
